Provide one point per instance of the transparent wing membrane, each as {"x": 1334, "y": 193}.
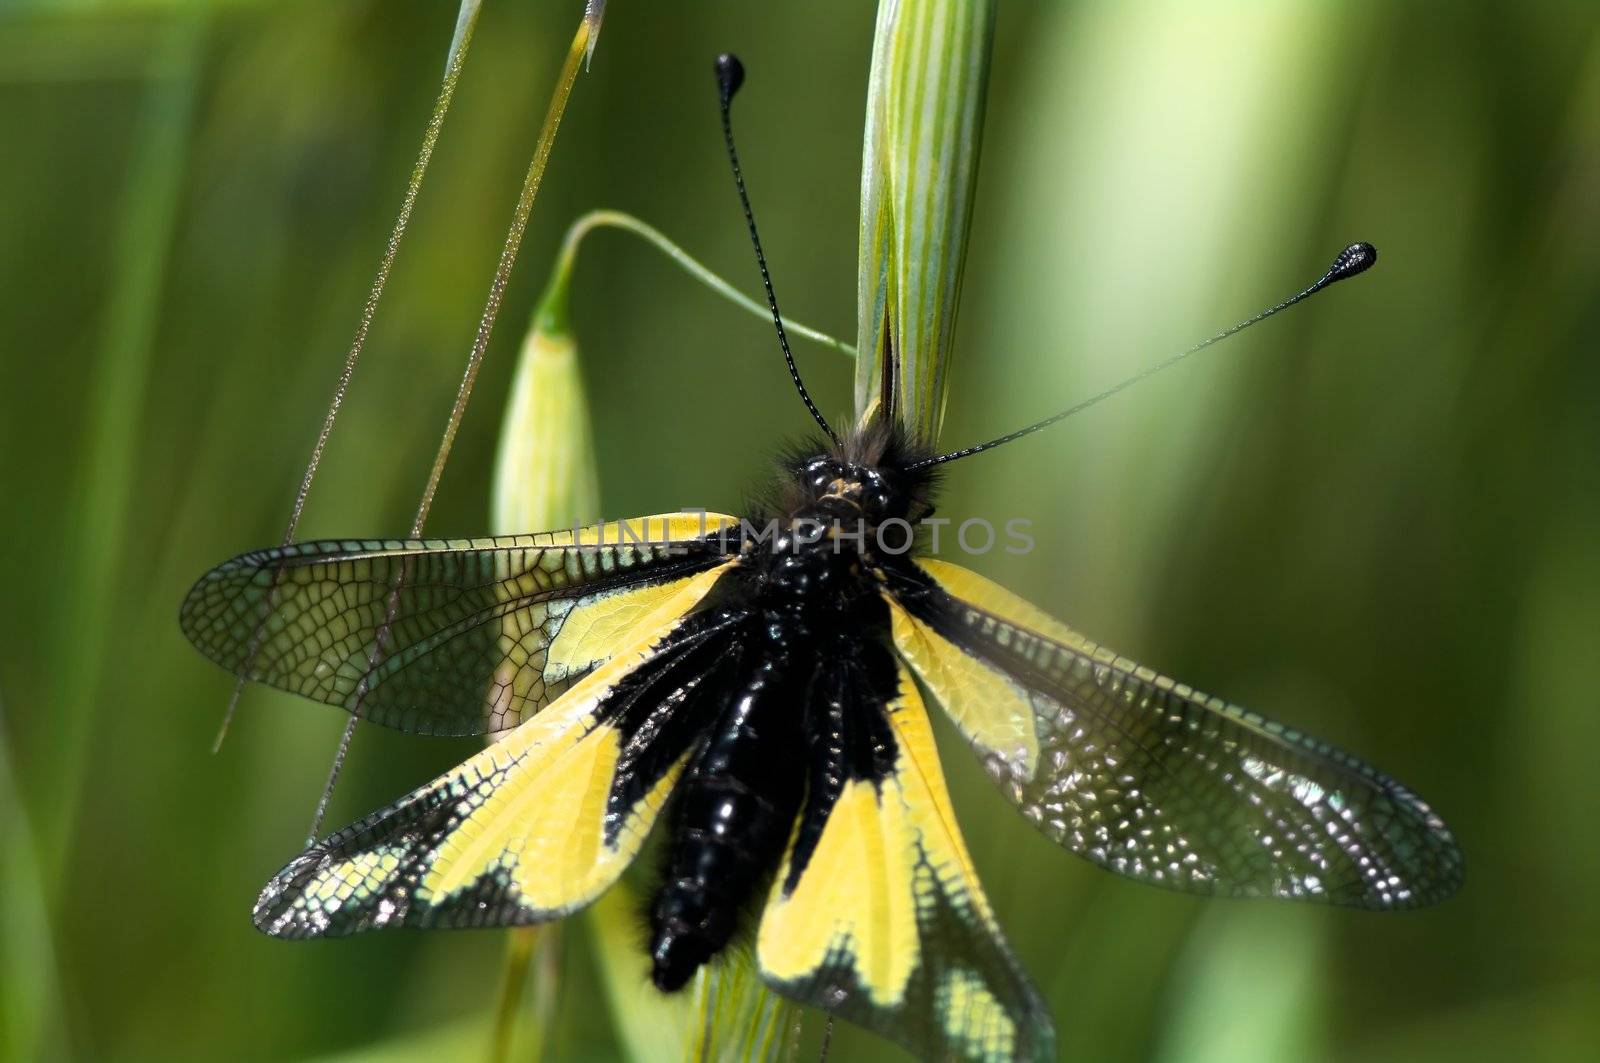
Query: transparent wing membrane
{"x": 1153, "y": 779}
{"x": 478, "y": 634}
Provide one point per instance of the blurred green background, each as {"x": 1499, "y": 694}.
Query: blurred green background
{"x": 1377, "y": 518}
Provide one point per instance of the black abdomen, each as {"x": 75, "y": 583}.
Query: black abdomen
{"x": 735, "y": 812}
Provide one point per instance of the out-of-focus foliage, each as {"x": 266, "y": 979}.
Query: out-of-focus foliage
{"x": 1376, "y": 518}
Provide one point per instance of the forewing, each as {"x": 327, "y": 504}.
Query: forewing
{"x": 1152, "y": 779}
{"x": 531, "y": 828}
{"x": 877, "y": 915}
{"x": 478, "y": 634}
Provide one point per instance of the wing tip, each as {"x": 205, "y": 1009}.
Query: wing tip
{"x": 281, "y": 909}
{"x": 211, "y": 610}
{"x": 1441, "y": 871}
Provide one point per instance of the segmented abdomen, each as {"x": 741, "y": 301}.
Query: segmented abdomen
{"x": 736, "y": 809}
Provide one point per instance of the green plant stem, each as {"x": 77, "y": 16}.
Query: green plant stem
{"x": 519, "y": 957}
{"x": 466, "y": 20}
{"x": 615, "y": 219}
{"x": 480, "y": 345}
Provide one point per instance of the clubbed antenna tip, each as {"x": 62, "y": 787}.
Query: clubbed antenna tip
{"x": 730, "y": 75}
{"x": 1357, "y": 258}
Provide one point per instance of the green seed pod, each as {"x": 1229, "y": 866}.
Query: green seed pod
{"x": 545, "y": 475}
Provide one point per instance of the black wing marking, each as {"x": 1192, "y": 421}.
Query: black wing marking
{"x": 481, "y": 633}
{"x": 1153, "y": 779}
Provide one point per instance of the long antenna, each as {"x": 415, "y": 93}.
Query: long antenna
{"x": 1357, "y": 258}
{"x": 730, "y": 75}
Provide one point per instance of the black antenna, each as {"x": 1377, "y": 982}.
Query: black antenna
{"x": 730, "y": 75}
{"x": 1357, "y": 258}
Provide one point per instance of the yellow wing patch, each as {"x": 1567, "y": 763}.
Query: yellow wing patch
{"x": 592, "y": 629}
{"x": 992, "y": 710}
{"x": 974, "y": 1018}
{"x": 855, "y": 899}
{"x": 887, "y": 925}
{"x": 356, "y": 877}
{"x": 539, "y": 816}
{"x": 988, "y": 706}
{"x": 988, "y": 595}
{"x": 599, "y": 625}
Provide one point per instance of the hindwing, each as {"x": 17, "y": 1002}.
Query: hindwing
{"x": 537, "y": 824}
{"x": 877, "y": 914}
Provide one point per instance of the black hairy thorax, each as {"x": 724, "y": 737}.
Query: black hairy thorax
{"x": 812, "y": 547}
{"x": 870, "y": 476}
{"x": 793, "y": 707}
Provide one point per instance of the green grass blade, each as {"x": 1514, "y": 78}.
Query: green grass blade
{"x": 919, "y": 168}
{"x": 480, "y": 344}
